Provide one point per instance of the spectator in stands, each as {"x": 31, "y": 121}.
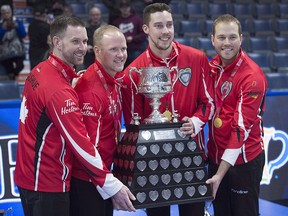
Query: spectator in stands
{"x": 12, "y": 29}
{"x": 38, "y": 32}
{"x": 7, "y": 2}
{"x": 114, "y": 12}
{"x": 235, "y": 145}
{"x": 57, "y": 7}
{"x": 131, "y": 25}
{"x": 93, "y": 23}
{"x": 67, "y": 10}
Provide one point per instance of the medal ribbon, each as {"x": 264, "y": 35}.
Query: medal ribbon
{"x": 219, "y": 101}
{"x": 59, "y": 67}
{"x": 114, "y": 109}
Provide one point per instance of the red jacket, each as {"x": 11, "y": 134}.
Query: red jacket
{"x": 101, "y": 117}
{"x": 51, "y": 132}
{"x": 193, "y": 90}
{"x": 239, "y": 139}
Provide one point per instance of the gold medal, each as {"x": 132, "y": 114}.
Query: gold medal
{"x": 168, "y": 114}
{"x": 217, "y": 122}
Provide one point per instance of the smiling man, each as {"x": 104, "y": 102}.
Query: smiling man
{"x": 100, "y": 104}
{"x": 235, "y": 145}
{"x": 192, "y": 88}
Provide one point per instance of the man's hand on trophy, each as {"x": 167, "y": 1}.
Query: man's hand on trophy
{"x": 122, "y": 200}
{"x": 188, "y": 127}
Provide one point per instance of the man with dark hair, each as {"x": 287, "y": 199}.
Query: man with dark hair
{"x": 52, "y": 132}
{"x": 192, "y": 90}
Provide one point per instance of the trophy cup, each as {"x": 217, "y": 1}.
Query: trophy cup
{"x": 160, "y": 165}
{"x": 155, "y": 82}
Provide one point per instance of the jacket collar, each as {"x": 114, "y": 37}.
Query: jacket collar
{"x": 171, "y": 58}
{"x": 67, "y": 71}
{"x": 109, "y": 79}
{"x": 216, "y": 62}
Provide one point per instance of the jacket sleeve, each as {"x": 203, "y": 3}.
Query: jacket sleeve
{"x": 63, "y": 110}
{"x": 247, "y": 115}
{"x": 206, "y": 107}
{"x": 21, "y": 32}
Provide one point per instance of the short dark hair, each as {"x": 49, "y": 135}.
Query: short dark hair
{"x": 60, "y": 24}
{"x": 153, "y": 8}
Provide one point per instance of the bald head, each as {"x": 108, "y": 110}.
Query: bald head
{"x": 110, "y": 48}
{"x": 105, "y": 30}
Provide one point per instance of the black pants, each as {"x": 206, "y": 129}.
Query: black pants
{"x": 191, "y": 209}
{"x": 238, "y": 193}
{"x": 86, "y": 200}
{"x": 36, "y": 203}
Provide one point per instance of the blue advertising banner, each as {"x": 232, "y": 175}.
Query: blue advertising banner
{"x": 274, "y": 184}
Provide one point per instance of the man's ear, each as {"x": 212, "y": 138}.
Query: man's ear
{"x": 96, "y": 50}
{"x": 145, "y": 29}
{"x": 56, "y": 42}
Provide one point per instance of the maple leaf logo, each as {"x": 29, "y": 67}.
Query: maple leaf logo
{"x": 23, "y": 111}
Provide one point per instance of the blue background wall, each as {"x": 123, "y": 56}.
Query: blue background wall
{"x": 274, "y": 185}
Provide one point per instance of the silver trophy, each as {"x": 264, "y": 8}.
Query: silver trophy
{"x": 155, "y": 82}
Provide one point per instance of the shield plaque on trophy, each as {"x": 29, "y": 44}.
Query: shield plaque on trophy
{"x": 161, "y": 166}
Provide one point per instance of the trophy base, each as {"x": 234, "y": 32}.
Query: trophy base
{"x": 161, "y": 166}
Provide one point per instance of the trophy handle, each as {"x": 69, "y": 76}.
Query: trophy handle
{"x": 137, "y": 71}
{"x": 171, "y": 69}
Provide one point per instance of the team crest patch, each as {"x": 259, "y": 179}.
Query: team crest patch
{"x": 185, "y": 76}
{"x": 223, "y": 88}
